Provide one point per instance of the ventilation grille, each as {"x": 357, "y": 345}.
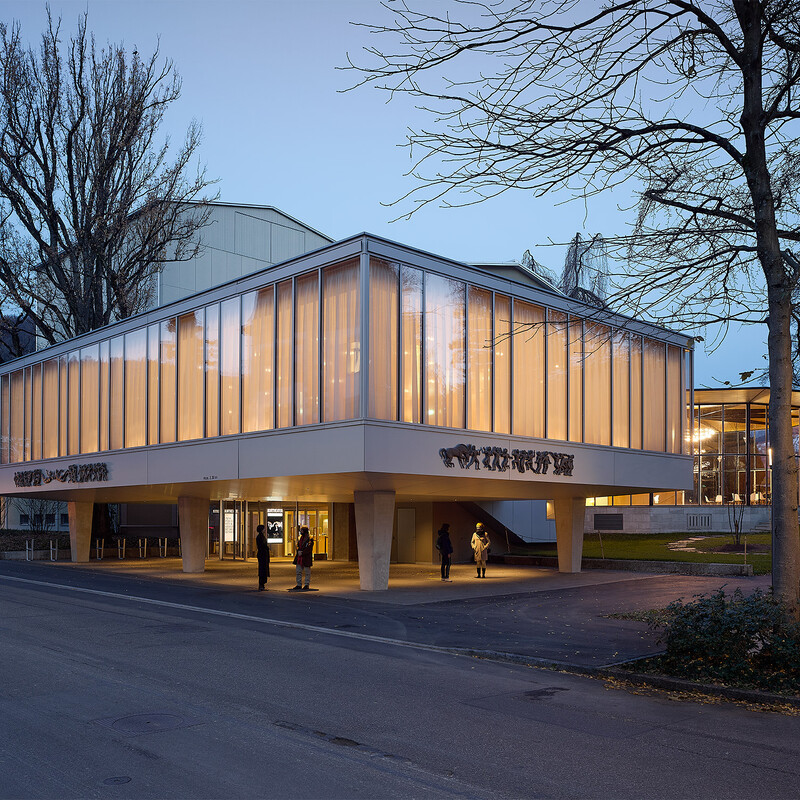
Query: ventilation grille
{"x": 698, "y": 522}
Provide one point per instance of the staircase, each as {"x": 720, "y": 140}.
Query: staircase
{"x": 494, "y": 526}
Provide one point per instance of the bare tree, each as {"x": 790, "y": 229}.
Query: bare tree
{"x": 91, "y": 201}
{"x": 42, "y": 514}
{"x": 693, "y": 100}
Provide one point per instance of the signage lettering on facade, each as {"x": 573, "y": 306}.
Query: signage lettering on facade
{"x": 74, "y": 473}
{"x": 499, "y": 459}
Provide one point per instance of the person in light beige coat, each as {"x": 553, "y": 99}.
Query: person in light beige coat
{"x": 480, "y": 546}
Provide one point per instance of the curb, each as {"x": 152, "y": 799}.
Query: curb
{"x": 663, "y": 682}
{"x": 629, "y": 565}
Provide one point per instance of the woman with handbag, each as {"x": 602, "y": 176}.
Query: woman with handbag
{"x": 303, "y": 558}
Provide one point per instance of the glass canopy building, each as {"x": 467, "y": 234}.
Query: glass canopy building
{"x": 364, "y": 379}
{"x": 732, "y": 466}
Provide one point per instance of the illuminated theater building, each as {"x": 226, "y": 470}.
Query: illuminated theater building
{"x": 368, "y": 389}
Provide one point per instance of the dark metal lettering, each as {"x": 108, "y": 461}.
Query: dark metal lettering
{"x": 74, "y": 473}
{"x": 498, "y": 459}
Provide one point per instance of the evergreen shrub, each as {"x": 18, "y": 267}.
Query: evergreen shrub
{"x": 736, "y": 639}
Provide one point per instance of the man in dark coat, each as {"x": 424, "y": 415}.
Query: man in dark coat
{"x": 304, "y": 557}
{"x": 445, "y": 548}
{"x": 263, "y": 553}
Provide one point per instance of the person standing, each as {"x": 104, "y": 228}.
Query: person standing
{"x": 445, "y": 548}
{"x": 303, "y": 558}
{"x": 263, "y": 554}
{"x": 480, "y": 546}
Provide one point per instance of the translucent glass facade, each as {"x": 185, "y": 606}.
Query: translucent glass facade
{"x": 436, "y": 351}
{"x": 501, "y": 364}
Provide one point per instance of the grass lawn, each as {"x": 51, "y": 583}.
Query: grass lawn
{"x": 653, "y": 547}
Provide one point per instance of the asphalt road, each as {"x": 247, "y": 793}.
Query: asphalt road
{"x": 208, "y": 695}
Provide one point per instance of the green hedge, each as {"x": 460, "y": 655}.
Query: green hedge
{"x": 737, "y": 639}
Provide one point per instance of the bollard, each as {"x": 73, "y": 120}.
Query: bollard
{"x": 54, "y": 549}
{"x": 29, "y": 549}
{"x": 99, "y": 548}
{"x": 120, "y": 548}
{"x": 162, "y": 548}
{"x": 143, "y": 548}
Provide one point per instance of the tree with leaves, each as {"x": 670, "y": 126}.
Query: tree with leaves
{"x": 693, "y": 101}
{"x": 92, "y": 202}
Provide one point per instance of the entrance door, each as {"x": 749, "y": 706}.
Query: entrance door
{"x": 233, "y": 529}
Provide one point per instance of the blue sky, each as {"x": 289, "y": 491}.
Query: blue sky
{"x": 261, "y": 76}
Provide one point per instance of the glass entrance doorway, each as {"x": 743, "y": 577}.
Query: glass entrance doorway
{"x": 316, "y": 518}
{"x": 233, "y": 523}
{"x": 227, "y": 530}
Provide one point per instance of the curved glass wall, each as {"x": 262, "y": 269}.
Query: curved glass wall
{"x": 732, "y": 458}
{"x": 441, "y": 352}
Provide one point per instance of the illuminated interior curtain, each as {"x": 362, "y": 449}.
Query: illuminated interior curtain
{"x": 63, "y": 406}
{"x": 597, "y": 364}
{"x": 136, "y": 388}
{"x": 479, "y": 359}
{"x": 411, "y": 331}
{"x": 73, "y": 438}
{"x": 636, "y": 392}
{"x": 167, "y": 381}
{"x": 502, "y": 364}
{"x": 622, "y": 371}
{"x": 36, "y": 422}
{"x": 686, "y": 386}
{"x": 90, "y": 399}
{"x": 444, "y": 350}
{"x": 557, "y": 371}
{"x": 383, "y": 310}
{"x": 258, "y": 334}
{"x": 191, "y": 333}
{"x": 50, "y": 411}
{"x": 306, "y": 344}
{"x": 18, "y": 416}
{"x": 229, "y": 366}
{"x": 104, "y": 398}
{"x": 212, "y": 370}
{"x": 284, "y": 355}
{"x": 153, "y": 388}
{"x": 675, "y": 400}
{"x": 342, "y": 341}
{"x": 654, "y": 419}
{"x": 117, "y": 419}
{"x": 529, "y": 377}
{"x": 5, "y": 418}
{"x": 27, "y": 394}
{"x": 575, "y": 345}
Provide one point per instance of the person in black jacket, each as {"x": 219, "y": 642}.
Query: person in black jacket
{"x": 263, "y": 553}
{"x": 445, "y": 548}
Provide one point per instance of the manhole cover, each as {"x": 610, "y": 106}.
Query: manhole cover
{"x": 117, "y": 781}
{"x": 137, "y": 724}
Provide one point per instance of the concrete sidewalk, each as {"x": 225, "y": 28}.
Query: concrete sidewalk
{"x": 528, "y": 612}
{"x": 409, "y": 584}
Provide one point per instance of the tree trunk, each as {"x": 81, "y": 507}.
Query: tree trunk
{"x": 785, "y": 534}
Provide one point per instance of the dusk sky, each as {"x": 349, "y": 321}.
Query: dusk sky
{"x": 262, "y": 79}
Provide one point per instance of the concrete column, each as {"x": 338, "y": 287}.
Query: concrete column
{"x": 193, "y": 526}
{"x": 569, "y": 514}
{"x": 374, "y": 522}
{"x": 80, "y": 529}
